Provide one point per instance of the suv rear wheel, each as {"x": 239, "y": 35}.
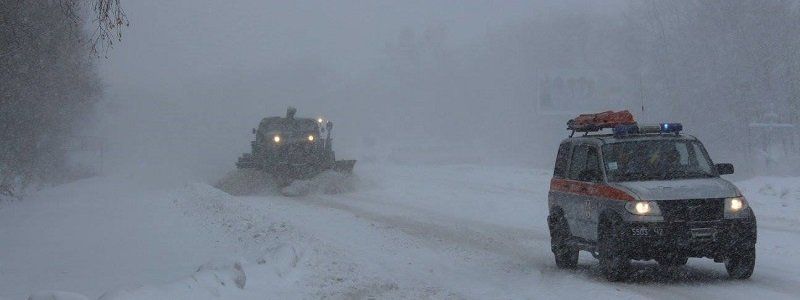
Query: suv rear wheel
{"x": 740, "y": 265}
{"x": 614, "y": 262}
{"x": 566, "y": 255}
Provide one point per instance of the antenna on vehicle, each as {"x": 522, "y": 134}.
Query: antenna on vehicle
{"x": 642, "y": 94}
{"x": 642, "y": 107}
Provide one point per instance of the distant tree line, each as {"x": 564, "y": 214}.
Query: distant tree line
{"x": 48, "y": 83}
{"x": 718, "y": 63}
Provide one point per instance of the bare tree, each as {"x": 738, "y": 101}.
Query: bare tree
{"x": 107, "y": 15}
{"x": 48, "y": 85}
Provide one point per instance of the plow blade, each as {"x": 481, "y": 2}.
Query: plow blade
{"x": 246, "y": 162}
{"x": 344, "y": 166}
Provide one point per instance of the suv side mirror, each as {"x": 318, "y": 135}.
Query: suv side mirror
{"x": 724, "y": 169}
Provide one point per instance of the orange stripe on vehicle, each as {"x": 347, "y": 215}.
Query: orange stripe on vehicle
{"x": 589, "y": 189}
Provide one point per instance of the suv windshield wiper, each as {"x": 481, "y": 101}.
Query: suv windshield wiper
{"x": 632, "y": 176}
{"x": 687, "y": 174}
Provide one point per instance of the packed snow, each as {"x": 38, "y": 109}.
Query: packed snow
{"x": 391, "y": 231}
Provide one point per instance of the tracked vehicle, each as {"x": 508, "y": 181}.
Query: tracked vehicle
{"x": 290, "y": 148}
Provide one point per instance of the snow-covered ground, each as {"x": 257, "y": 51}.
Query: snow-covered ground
{"x": 447, "y": 231}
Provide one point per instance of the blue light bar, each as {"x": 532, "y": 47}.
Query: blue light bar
{"x": 671, "y": 127}
{"x": 623, "y": 130}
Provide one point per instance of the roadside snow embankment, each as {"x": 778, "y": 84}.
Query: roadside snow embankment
{"x": 248, "y": 232}
{"x": 261, "y": 256}
{"x": 96, "y": 235}
{"x": 211, "y": 281}
{"x": 56, "y": 295}
{"x": 775, "y": 200}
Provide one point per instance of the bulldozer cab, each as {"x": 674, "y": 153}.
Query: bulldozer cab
{"x": 284, "y": 131}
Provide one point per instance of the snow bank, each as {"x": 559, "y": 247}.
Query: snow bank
{"x": 775, "y": 200}
{"x": 283, "y": 258}
{"x": 272, "y": 277}
{"x": 251, "y": 236}
{"x": 251, "y": 231}
{"x": 211, "y": 281}
{"x": 56, "y": 295}
{"x": 234, "y": 270}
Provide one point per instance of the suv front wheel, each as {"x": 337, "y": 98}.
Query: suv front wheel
{"x": 740, "y": 265}
{"x": 614, "y": 262}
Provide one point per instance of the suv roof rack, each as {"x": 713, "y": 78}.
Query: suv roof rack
{"x": 622, "y": 123}
{"x": 595, "y": 122}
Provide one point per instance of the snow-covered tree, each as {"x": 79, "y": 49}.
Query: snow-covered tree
{"x": 48, "y": 82}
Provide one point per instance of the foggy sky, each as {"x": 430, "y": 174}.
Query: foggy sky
{"x": 190, "y": 78}
{"x": 170, "y": 38}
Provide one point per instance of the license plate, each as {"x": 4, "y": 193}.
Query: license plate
{"x": 703, "y": 233}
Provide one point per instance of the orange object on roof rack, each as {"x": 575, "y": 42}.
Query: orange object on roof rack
{"x": 598, "y": 121}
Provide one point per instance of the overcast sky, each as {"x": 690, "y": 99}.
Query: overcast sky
{"x": 167, "y": 38}
{"x": 191, "y": 77}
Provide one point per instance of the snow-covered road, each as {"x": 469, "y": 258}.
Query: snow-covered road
{"x": 461, "y": 231}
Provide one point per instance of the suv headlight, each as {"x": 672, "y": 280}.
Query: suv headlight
{"x": 735, "y": 206}
{"x": 643, "y": 208}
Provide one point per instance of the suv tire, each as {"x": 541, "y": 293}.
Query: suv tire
{"x": 566, "y": 255}
{"x": 614, "y": 262}
{"x": 740, "y": 265}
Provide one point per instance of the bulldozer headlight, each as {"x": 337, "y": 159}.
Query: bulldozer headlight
{"x": 320, "y": 120}
{"x": 310, "y": 138}
{"x": 643, "y": 208}
{"x": 277, "y": 139}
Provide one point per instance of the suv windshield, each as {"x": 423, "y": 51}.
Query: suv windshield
{"x": 656, "y": 160}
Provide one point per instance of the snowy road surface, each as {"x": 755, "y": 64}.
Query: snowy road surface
{"x": 463, "y": 231}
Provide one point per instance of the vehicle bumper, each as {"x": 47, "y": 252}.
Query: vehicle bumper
{"x": 713, "y": 239}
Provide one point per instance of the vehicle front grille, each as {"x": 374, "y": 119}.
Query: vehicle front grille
{"x": 299, "y": 153}
{"x": 693, "y": 209}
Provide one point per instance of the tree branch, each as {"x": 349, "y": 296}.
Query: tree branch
{"x": 109, "y": 18}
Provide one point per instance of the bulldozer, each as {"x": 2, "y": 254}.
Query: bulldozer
{"x": 290, "y": 148}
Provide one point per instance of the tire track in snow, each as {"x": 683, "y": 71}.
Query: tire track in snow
{"x": 419, "y": 223}
{"x": 484, "y": 237}
{"x": 530, "y": 246}
{"x": 649, "y": 280}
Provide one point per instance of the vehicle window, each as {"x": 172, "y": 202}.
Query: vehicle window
{"x": 701, "y": 157}
{"x": 656, "y": 160}
{"x": 683, "y": 153}
{"x": 561, "y": 161}
{"x": 578, "y": 161}
{"x": 592, "y": 172}
{"x": 585, "y": 164}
